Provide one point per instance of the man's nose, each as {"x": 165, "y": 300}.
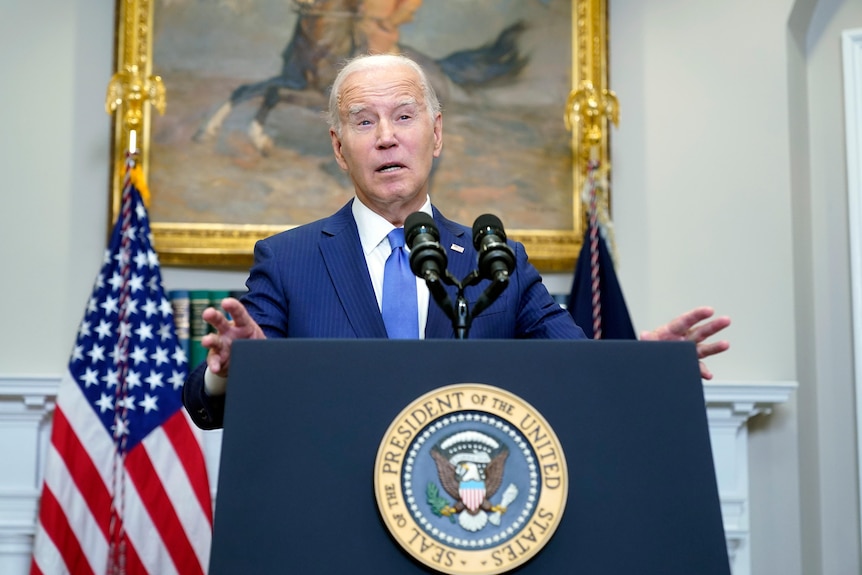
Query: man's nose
{"x": 386, "y": 134}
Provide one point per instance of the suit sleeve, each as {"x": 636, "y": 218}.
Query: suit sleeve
{"x": 538, "y": 316}
{"x": 265, "y": 300}
{"x": 207, "y": 411}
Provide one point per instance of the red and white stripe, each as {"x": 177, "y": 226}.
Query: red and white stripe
{"x": 167, "y": 515}
{"x": 472, "y": 497}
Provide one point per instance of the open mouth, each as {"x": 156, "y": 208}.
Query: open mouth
{"x": 387, "y": 168}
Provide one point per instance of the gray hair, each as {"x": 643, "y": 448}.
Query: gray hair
{"x": 373, "y": 61}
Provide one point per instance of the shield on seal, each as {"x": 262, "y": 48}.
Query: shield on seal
{"x": 472, "y": 494}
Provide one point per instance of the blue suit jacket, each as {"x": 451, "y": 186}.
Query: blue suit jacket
{"x": 312, "y": 282}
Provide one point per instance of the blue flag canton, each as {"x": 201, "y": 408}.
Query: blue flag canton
{"x": 129, "y": 302}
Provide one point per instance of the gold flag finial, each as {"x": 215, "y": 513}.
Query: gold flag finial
{"x": 590, "y": 103}
{"x": 133, "y": 85}
{"x": 590, "y": 108}
{"x": 130, "y": 90}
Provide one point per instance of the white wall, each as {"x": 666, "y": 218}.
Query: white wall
{"x": 702, "y": 201}
{"x": 824, "y": 354}
{"x": 54, "y": 158}
{"x": 728, "y": 190}
{"x": 701, "y": 180}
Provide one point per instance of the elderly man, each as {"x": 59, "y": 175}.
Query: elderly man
{"x": 327, "y": 279}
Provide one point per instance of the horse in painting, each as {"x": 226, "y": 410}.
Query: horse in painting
{"x": 328, "y": 32}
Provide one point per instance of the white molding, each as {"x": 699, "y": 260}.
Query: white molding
{"x": 35, "y": 391}
{"x": 26, "y": 402}
{"x": 729, "y": 406}
{"x": 852, "y": 58}
{"x": 747, "y": 398}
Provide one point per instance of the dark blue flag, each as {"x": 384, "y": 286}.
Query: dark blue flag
{"x": 612, "y": 316}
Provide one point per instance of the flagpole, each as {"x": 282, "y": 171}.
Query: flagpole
{"x": 129, "y": 90}
{"x": 589, "y": 107}
{"x": 117, "y": 550}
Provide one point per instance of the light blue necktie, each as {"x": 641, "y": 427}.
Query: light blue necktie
{"x": 400, "y": 312}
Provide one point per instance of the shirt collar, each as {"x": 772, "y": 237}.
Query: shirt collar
{"x": 373, "y": 227}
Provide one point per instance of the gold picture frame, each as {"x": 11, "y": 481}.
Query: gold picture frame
{"x": 134, "y": 89}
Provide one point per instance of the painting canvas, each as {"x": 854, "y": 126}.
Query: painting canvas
{"x": 244, "y": 140}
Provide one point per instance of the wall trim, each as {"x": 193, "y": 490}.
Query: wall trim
{"x": 852, "y": 57}
{"x": 33, "y": 390}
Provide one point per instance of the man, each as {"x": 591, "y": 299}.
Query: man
{"x": 377, "y": 28}
{"x": 326, "y": 279}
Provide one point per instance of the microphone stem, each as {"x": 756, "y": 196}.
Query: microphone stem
{"x": 461, "y": 321}
{"x": 438, "y": 292}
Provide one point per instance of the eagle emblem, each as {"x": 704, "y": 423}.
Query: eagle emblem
{"x": 470, "y": 466}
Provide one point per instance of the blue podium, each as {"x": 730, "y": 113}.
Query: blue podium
{"x": 304, "y": 420}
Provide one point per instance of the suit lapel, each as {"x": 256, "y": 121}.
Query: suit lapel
{"x": 342, "y": 254}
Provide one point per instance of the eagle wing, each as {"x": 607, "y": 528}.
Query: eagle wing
{"x": 494, "y": 473}
{"x": 446, "y": 472}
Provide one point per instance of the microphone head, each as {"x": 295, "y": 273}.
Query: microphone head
{"x": 496, "y": 258}
{"x": 484, "y": 224}
{"x": 427, "y": 258}
{"x": 419, "y": 223}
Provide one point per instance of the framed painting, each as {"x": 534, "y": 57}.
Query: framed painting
{"x": 242, "y": 150}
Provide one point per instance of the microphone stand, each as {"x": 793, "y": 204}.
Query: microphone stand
{"x": 428, "y": 261}
{"x": 460, "y": 313}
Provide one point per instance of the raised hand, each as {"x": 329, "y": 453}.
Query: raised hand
{"x": 241, "y": 326}
{"x": 692, "y": 326}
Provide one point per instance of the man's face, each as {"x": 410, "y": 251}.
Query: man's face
{"x": 388, "y": 140}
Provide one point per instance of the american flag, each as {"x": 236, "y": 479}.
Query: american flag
{"x": 125, "y": 487}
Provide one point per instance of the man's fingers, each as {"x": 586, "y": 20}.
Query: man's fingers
{"x": 214, "y": 362}
{"x": 237, "y": 311}
{"x": 681, "y": 325}
{"x": 213, "y": 341}
{"x": 686, "y": 327}
{"x": 216, "y": 319}
{"x": 712, "y": 348}
{"x": 709, "y": 329}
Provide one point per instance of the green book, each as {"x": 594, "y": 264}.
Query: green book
{"x": 199, "y": 300}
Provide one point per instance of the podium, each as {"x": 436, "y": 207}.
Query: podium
{"x": 304, "y": 420}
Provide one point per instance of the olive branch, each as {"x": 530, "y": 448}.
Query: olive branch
{"x": 437, "y": 503}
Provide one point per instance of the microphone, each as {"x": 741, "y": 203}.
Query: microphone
{"x": 427, "y": 258}
{"x": 496, "y": 258}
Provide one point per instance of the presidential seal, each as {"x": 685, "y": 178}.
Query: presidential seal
{"x": 471, "y": 479}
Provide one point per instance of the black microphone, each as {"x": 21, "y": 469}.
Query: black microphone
{"x": 496, "y": 258}
{"x": 427, "y": 258}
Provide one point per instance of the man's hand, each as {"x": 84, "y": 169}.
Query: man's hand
{"x": 242, "y": 326}
{"x": 687, "y": 327}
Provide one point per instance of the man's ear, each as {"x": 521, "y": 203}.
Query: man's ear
{"x": 336, "y": 149}
{"x": 438, "y": 135}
